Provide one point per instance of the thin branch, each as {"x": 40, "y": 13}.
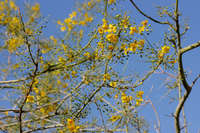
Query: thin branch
{"x": 195, "y": 80}
{"x": 141, "y": 81}
{"x": 13, "y": 110}
{"x": 101, "y": 114}
{"x": 157, "y": 116}
{"x": 44, "y": 128}
{"x": 145, "y": 15}
{"x": 27, "y": 121}
{"x": 190, "y": 47}
{"x": 14, "y": 81}
{"x": 88, "y": 101}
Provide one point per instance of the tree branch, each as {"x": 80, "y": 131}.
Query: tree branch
{"x": 145, "y": 15}
{"x": 190, "y": 47}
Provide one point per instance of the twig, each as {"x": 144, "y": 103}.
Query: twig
{"x": 145, "y": 15}
{"x": 195, "y": 80}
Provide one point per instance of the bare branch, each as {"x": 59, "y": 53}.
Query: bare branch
{"x": 145, "y": 15}
{"x": 13, "y": 110}
{"x": 195, "y": 80}
{"x": 190, "y": 47}
{"x": 157, "y": 116}
{"x": 14, "y": 81}
{"x": 44, "y": 128}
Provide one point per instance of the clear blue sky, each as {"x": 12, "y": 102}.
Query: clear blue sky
{"x": 190, "y": 11}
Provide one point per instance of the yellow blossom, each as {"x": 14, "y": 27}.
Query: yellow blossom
{"x": 111, "y": 1}
{"x": 141, "y": 29}
{"x": 71, "y": 126}
{"x": 125, "y": 22}
{"x": 133, "y": 46}
{"x": 110, "y": 47}
{"x": 63, "y": 28}
{"x": 100, "y": 45}
{"x": 87, "y": 54}
{"x": 12, "y": 5}
{"x": 100, "y": 30}
{"x": 112, "y": 28}
{"x": 113, "y": 84}
{"x": 165, "y": 49}
{"x": 36, "y": 90}
{"x": 106, "y": 77}
{"x": 115, "y": 118}
{"x": 133, "y": 30}
{"x": 138, "y": 102}
{"x": 141, "y": 43}
{"x": 30, "y": 99}
{"x": 82, "y": 22}
{"x": 74, "y": 73}
{"x": 68, "y": 20}
{"x": 144, "y": 23}
{"x": 112, "y": 38}
{"x": 140, "y": 94}
{"x": 42, "y": 93}
{"x": 73, "y": 14}
{"x": 125, "y": 98}
{"x": 36, "y": 7}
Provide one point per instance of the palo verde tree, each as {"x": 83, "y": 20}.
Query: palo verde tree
{"x": 74, "y": 81}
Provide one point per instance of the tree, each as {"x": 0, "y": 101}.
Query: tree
{"x": 60, "y": 83}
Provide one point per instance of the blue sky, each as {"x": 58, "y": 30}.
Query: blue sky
{"x": 189, "y": 10}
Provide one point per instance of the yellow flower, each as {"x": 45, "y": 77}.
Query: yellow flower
{"x": 141, "y": 29}
{"x": 140, "y": 94}
{"x": 141, "y": 43}
{"x": 42, "y": 94}
{"x": 138, "y": 102}
{"x": 30, "y": 99}
{"x": 63, "y": 28}
{"x": 112, "y": 28}
{"x": 106, "y": 77}
{"x": 172, "y": 62}
{"x": 111, "y": 1}
{"x": 68, "y": 20}
{"x": 36, "y": 90}
{"x": 59, "y": 22}
{"x": 125, "y": 22}
{"x": 110, "y": 47}
{"x": 113, "y": 84}
{"x": 115, "y": 118}
{"x": 73, "y": 14}
{"x": 144, "y": 23}
{"x": 100, "y": 30}
{"x": 36, "y": 7}
{"x": 125, "y": 98}
{"x": 71, "y": 126}
{"x": 133, "y": 46}
{"x": 87, "y": 54}
{"x": 12, "y": 5}
{"x": 165, "y": 49}
{"x": 112, "y": 38}
{"x": 133, "y": 30}
{"x": 82, "y": 22}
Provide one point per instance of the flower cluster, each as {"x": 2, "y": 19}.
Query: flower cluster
{"x": 71, "y": 126}
{"x": 140, "y": 97}
{"x": 133, "y": 46}
{"x": 164, "y": 50}
{"x": 125, "y": 98}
